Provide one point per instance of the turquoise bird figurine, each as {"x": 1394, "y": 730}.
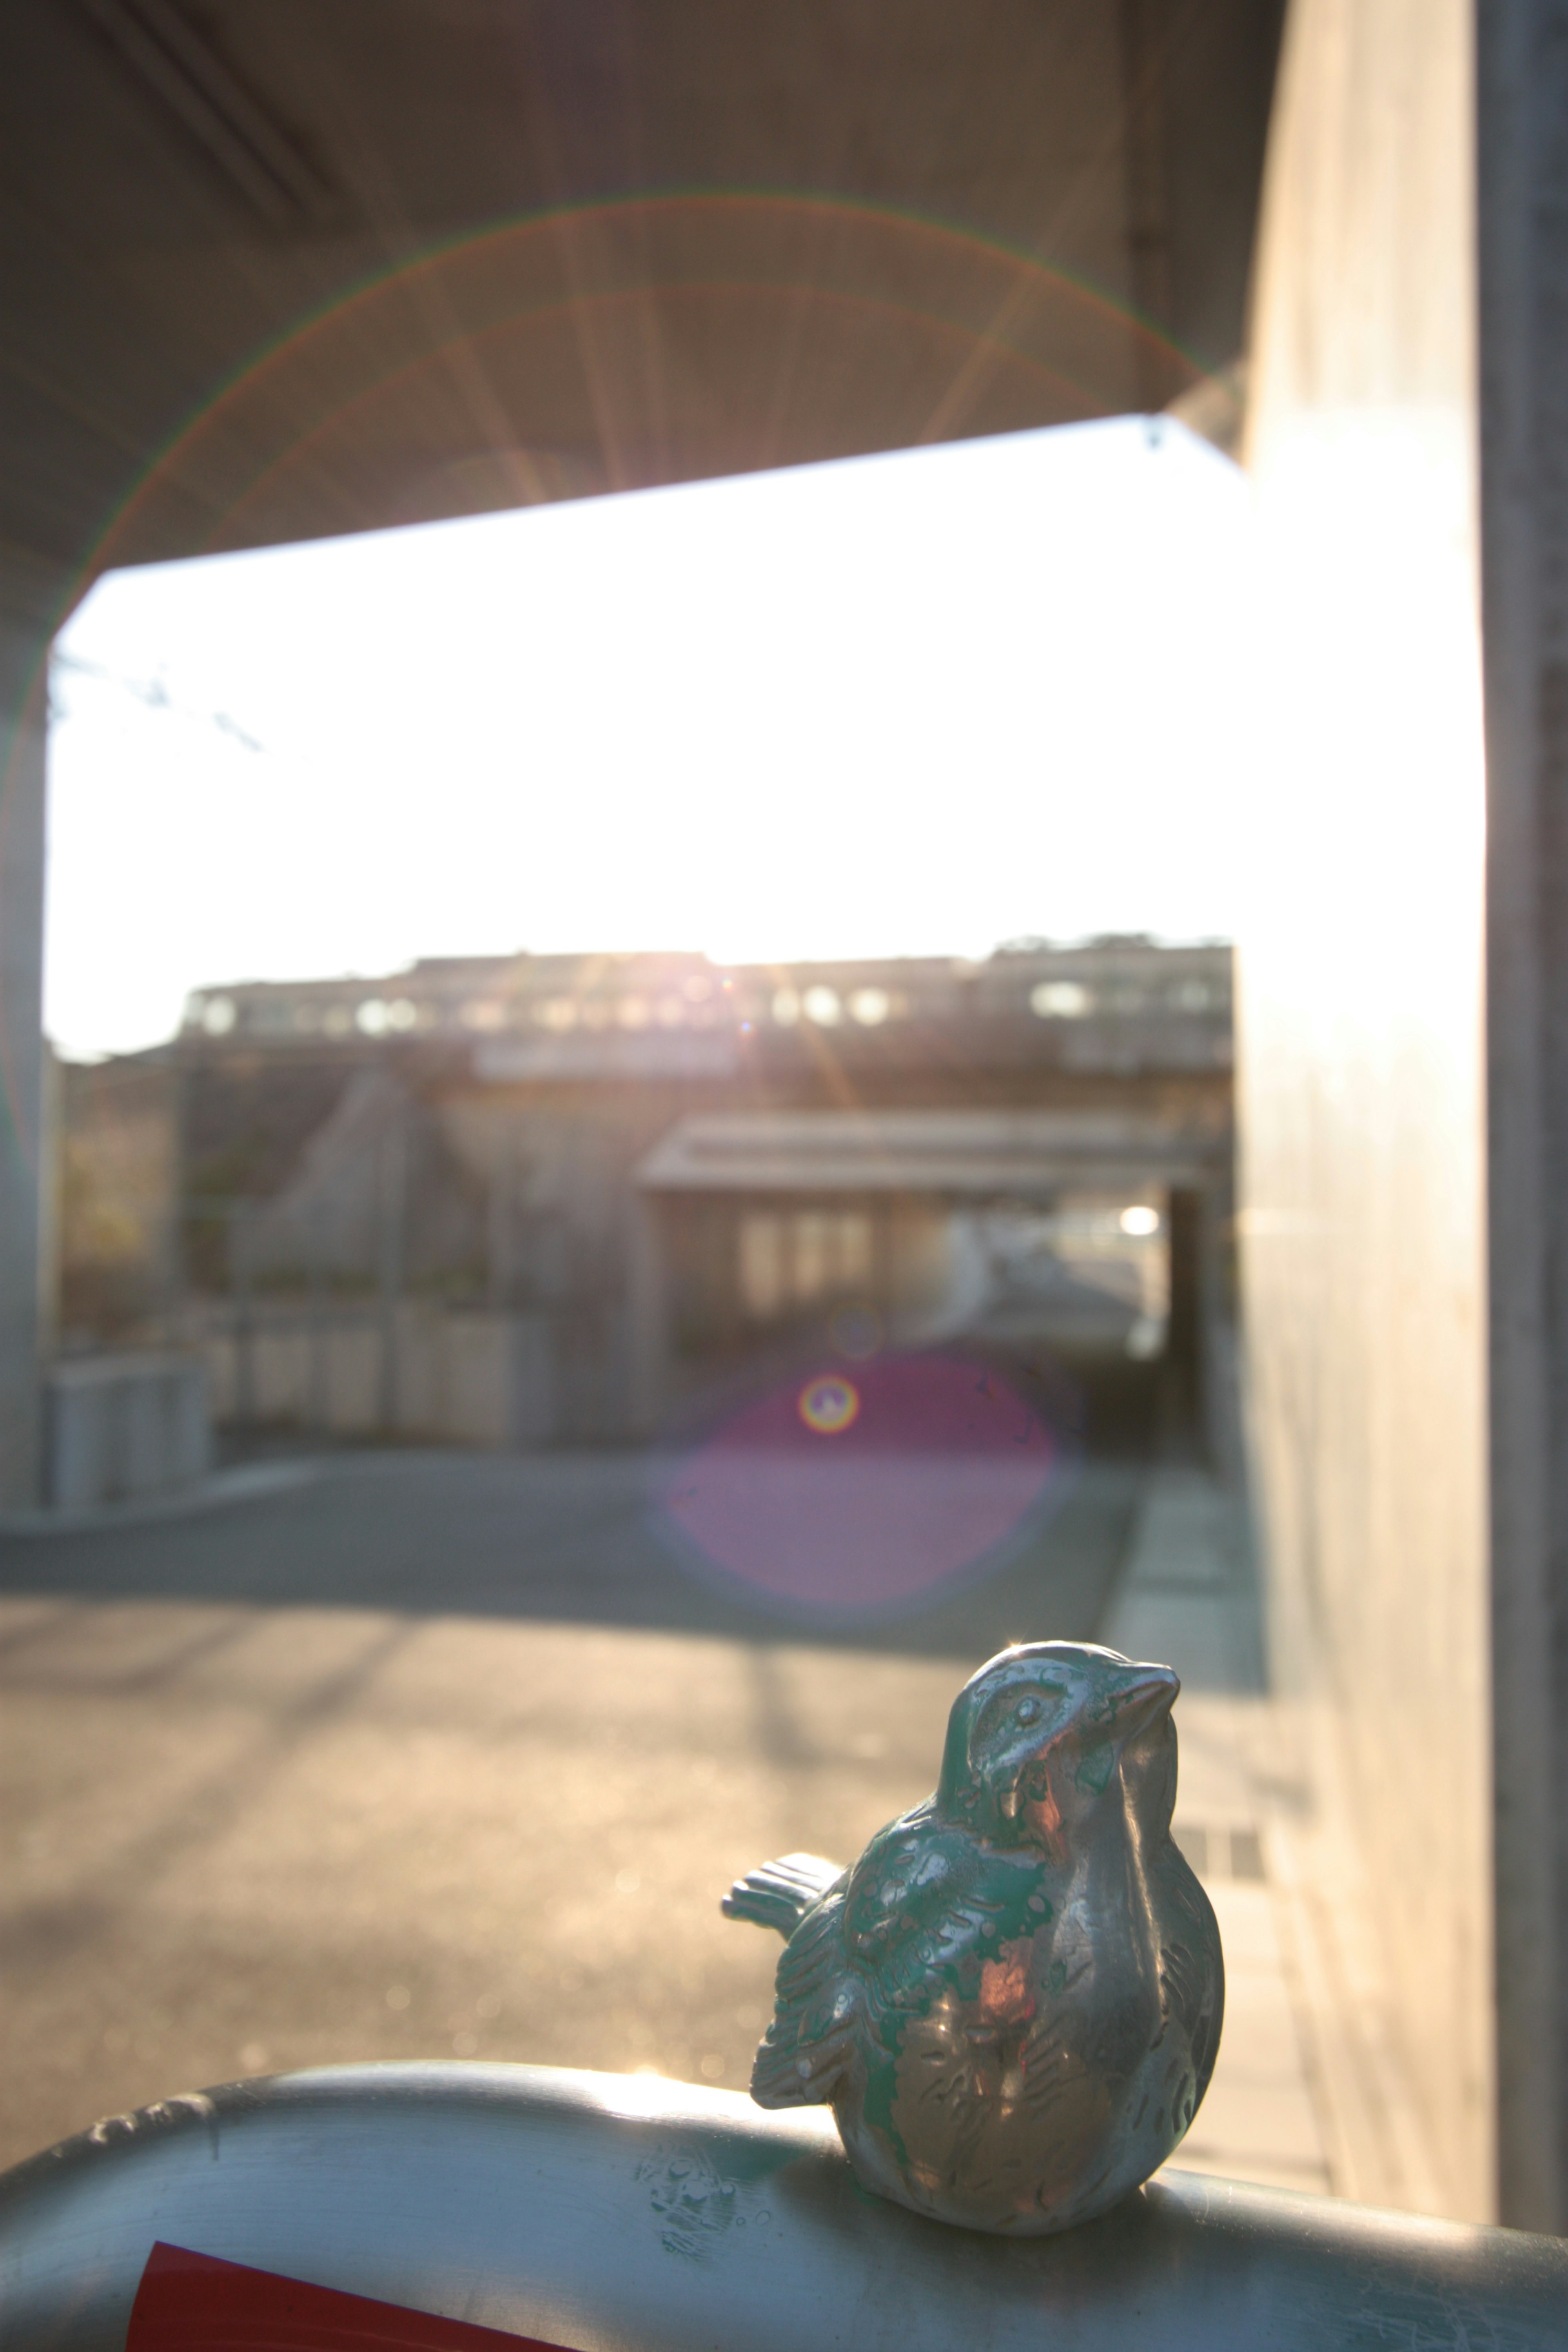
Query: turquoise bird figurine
{"x": 1013, "y": 2000}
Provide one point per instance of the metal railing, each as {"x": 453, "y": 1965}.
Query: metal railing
{"x": 598, "y": 2210}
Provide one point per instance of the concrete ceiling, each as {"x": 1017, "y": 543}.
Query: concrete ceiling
{"x": 276, "y": 269}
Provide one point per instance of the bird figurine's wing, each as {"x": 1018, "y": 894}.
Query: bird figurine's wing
{"x": 807, "y": 2050}
{"x": 781, "y": 1893}
{"x": 877, "y": 1942}
{"x": 915, "y": 1906}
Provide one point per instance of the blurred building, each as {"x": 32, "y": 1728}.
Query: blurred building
{"x": 527, "y": 1199}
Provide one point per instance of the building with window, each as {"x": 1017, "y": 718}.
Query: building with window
{"x": 529, "y": 1197}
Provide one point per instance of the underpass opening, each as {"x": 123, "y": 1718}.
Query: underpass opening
{"x": 1076, "y": 1246}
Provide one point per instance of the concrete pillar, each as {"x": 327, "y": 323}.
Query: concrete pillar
{"x": 242, "y": 1300}
{"x": 25, "y": 605}
{"x": 648, "y": 1315}
{"x": 1222, "y": 1430}
{"x": 1362, "y": 1075}
{"x": 1522, "y": 115}
{"x": 392, "y": 1213}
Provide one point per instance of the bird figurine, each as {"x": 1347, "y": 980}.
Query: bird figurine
{"x": 1012, "y": 2002}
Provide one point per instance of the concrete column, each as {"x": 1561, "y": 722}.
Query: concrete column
{"x": 1522, "y": 116}
{"x": 391, "y": 1212}
{"x": 24, "y": 653}
{"x": 648, "y": 1315}
{"x": 1221, "y": 1430}
{"x": 242, "y": 1301}
{"x": 1362, "y": 1075}
{"x": 500, "y": 1221}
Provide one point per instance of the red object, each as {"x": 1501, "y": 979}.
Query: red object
{"x": 194, "y": 2302}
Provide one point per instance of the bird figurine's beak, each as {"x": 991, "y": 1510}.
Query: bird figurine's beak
{"x": 1147, "y": 1692}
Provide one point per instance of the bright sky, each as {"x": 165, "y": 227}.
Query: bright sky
{"x": 909, "y": 704}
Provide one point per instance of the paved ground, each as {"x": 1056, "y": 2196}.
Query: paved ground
{"x": 571, "y": 1537}
{"x": 427, "y": 1755}
{"x": 435, "y": 1755}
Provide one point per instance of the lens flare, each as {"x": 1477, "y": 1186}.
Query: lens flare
{"x": 855, "y": 1330}
{"x": 829, "y": 1405}
{"x": 936, "y": 1468}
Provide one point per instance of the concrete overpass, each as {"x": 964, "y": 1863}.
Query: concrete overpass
{"x": 273, "y": 269}
{"x": 272, "y": 272}
{"x": 589, "y": 1153}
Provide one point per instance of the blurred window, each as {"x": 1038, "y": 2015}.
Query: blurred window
{"x": 1060, "y": 1000}
{"x": 870, "y": 1006}
{"x": 761, "y": 1265}
{"x": 854, "y": 1250}
{"x": 811, "y": 1255}
{"x": 821, "y": 1004}
{"x": 792, "y": 1258}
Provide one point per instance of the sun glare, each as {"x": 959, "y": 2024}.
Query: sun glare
{"x": 910, "y": 704}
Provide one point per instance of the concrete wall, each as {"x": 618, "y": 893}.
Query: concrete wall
{"x": 464, "y": 1376}
{"x": 1522, "y": 71}
{"x": 122, "y": 1427}
{"x": 1361, "y": 1068}
{"x": 24, "y": 599}
{"x": 115, "y": 1198}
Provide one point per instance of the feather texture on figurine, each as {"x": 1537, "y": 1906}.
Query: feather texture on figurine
{"x": 1013, "y": 2000}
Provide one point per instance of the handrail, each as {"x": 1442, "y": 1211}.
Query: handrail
{"x": 609, "y": 2213}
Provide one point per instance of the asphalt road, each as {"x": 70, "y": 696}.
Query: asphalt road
{"x": 436, "y": 1755}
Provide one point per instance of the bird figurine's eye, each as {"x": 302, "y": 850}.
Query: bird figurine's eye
{"x": 1027, "y": 1710}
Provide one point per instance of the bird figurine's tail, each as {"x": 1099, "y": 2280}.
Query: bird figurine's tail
{"x": 781, "y": 1893}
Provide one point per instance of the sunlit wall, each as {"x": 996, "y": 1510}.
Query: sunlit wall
{"x": 1360, "y": 1020}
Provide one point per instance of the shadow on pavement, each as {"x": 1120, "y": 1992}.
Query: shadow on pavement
{"x": 564, "y": 1539}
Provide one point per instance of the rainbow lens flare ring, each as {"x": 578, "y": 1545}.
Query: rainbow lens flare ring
{"x": 829, "y": 1404}
{"x": 943, "y": 1469}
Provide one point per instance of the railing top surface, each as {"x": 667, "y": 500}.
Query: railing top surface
{"x": 607, "y": 2213}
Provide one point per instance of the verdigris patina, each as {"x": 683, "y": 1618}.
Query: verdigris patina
{"x": 1012, "y": 2002}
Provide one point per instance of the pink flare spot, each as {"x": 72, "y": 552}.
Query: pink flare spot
{"x": 941, "y": 1461}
